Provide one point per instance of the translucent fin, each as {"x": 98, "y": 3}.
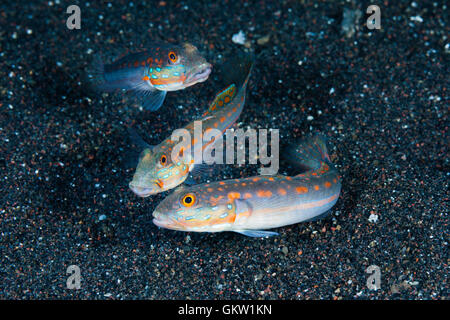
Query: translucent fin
{"x": 233, "y": 75}
{"x": 137, "y": 139}
{"x": 96, "y": 73}
{"x": 257, "y": 233}
{"x": 134, "y": 149}
{"x": 190, "y": 181}
{"x": 308, "y": 153}
{"x": 236, "y": 69}
{"x": 151, "y": 100}
{"x": 242, "y": 207}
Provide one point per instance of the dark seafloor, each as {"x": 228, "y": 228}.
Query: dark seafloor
{"x": 380, "y": 95}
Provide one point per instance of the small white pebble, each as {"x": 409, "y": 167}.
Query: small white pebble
{"x": 416, "y": 18}
{"x": 239, "y": 37}
{"x": 310, "y": 118}
{"x": 373, "y": 218}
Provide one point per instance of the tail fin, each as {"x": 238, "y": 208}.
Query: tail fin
{"x": 309, "y": 153}
{"x": 96, "y": 73}
{"x": 235, "y": 73}
{"x": 236, "y": 69}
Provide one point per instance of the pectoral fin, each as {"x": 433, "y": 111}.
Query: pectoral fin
{"x": 152, "y": 100}
{"x": 257, "y": 233}
{"x": 243, "y": 209}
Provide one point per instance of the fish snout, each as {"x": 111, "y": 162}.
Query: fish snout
{"x": 162, "y": 220}
{"x": 200, "y": 73}
{"x": 142, "y": 191}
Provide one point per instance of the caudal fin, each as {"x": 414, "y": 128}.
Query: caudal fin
{"x": 236, "y": 69}
{"x": 234, "y": 74}
{"x": 309, "y": 153}
{"x": 96, "y": 73}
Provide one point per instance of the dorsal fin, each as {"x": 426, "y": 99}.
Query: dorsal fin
{"x": 310, "y": 153}
{"x": 223, "y": 98}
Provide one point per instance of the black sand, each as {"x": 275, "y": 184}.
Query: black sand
{"x": 381, "y": 97}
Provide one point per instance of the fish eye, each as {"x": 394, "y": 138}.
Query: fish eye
{"x": 163, "y": 160}
{"x": 173, "y": 57}
{"x": 188, "y": 200}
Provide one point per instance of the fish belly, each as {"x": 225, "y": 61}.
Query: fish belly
{"x": 281, "y": 213}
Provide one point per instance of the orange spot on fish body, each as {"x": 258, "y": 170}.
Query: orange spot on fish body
{"x": 264, "y": 193}
{"x": 145, "y": 78}
{"x": 227, "y": 99}
{"x": 234, "y": 109}
{"x": 327, "y": 184}
{"x": 215, "y": 199}
{"x": 301, "y": 190}
{"x": 334, "y": 180}
{"x": 316, "y": 187}
{"x": 221, "y": 183}
{"x": 282, "y": 192}
{"x": 209, "y": 189}
{"x": 215, "y": 125}
{"x": 234, "y": 195}
{"x": 247, "y": 195}
{"x": 255, "y": 179}
{"x": 222, "y": 119}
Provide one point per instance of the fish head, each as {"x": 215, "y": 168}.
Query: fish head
{"x": 157, "y": 171}
{"x": 178, "y": 67}
{"x": 194, "y": 209}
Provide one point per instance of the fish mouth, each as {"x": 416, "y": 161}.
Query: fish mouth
{"x": 143, "y": 192}
{"x": 199, "y": 74}
{"x": 162, "y": 221}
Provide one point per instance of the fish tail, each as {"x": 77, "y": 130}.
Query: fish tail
{"x": 96, "y": 73}
{"x": 236, "y": 70}
{"x": 235, "y": 73}
{"x": 309, "y": 153}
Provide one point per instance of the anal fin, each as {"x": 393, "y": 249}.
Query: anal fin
{"x": 257, "y": 233}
